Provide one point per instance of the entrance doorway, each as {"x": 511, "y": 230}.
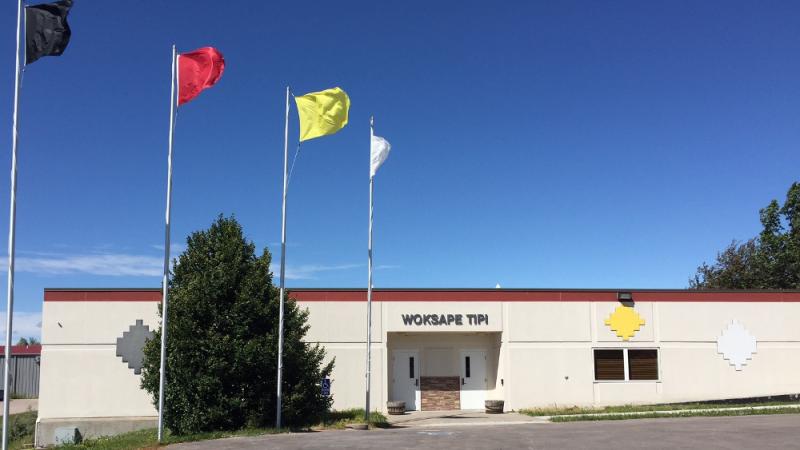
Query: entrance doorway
{"x": 405, "y": 378}
{"x": 450, "y": 371}
{"x": 473, "y": 379}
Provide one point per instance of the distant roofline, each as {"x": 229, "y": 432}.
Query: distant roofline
{"x": 21, "y": 349}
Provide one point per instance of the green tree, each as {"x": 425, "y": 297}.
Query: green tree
{"x": 769, "y": 261}
{"x": 28, "y": 341}
{"x": 223, "y": 338}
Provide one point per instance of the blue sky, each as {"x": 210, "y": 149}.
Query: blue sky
{"x": 535, "y": 144}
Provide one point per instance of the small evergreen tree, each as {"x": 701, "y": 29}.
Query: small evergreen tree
{"x": 223, "y": 339}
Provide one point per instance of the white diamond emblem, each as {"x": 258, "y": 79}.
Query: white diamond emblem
{"x": 736, "y": 345}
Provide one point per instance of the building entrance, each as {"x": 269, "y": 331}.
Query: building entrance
{"x": 443, "y": 371}
{"x": 473, "y": 379}
{"x": 405, "y": 378}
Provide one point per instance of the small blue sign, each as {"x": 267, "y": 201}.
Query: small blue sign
{"x": 326, "y": 386}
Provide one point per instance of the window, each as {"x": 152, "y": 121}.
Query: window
{"x": 609, "y": 365}
{"x": 411, "y": 367}
{"x": 625, "y": 364}
{"x": 643, "y": 364}
{"x": 466, "y": 365}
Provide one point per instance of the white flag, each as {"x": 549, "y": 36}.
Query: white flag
{"x": 379, "y": 150}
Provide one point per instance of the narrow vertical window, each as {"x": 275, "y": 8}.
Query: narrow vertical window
{"x": 466, "y": 365}
{"x": 411, "y": 367}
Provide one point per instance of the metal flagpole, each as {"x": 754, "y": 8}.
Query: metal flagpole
{"x": 283, "y": 262}
{"x": 12, "y": 223}
{"x": 173, "y": 108}
{"x": 369, "y": 277}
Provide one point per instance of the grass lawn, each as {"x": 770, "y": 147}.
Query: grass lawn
{"x": 573, "y": 413}
{"x": 655, "y": 414}
{"x": 338, "y": 420}
{"x": 147, "y": 438}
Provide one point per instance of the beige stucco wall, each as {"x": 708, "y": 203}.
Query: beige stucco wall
{"x": 543, "y": 350}
{"x": 702, "y": 322}
{"x": 81, "y": 376}
{"x": 548, "y": 322}
{"x": 539, "y": 353}
{"x": 338, "y": 322}
{"x": 348, "y": 379}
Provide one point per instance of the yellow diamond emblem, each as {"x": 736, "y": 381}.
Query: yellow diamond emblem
{"x": 625, "y": 322}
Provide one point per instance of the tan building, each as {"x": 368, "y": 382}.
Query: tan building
{"x": 454, "y": 349}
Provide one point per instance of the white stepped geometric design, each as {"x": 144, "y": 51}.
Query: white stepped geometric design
{"x": 736, "y": 345}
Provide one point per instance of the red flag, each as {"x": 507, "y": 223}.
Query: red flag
{"x": 198, "y": 70}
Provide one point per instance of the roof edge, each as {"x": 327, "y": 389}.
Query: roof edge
{"x": 460, "y": 289}
{"x": 456, "y": 295}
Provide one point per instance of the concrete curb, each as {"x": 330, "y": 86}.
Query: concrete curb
{"x": 464, "y": 418}
{"x": 428, "y": 423}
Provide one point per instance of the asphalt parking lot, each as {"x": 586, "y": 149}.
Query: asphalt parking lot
{"x": 746, "y": 432}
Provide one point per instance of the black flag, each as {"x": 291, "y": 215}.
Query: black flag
{"x": 46, "y": 30}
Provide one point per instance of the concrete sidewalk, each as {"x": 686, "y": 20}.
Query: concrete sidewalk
{"x": 21, "y": 405}
{"x": 478, "y": 417}
{"x": 455, "y": 418}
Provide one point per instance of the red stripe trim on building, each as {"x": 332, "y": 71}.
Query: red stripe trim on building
{"x": 422, "y": 295}
{"x": 127, "y": 295}
{"x": 450, "y": 295}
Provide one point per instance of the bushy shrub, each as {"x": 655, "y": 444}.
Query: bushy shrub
{"x": 223, "y": 342}
{"x": 22, "y": 426}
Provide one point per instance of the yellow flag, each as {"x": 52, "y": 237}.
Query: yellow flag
{"x": 322, "y": 113}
